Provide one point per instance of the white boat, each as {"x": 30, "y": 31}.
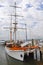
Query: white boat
{"x": 18, "y": 51}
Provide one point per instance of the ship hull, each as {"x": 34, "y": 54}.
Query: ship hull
{"x": 17, "y": 54}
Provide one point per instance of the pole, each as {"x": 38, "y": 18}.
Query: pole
{"x": 26, "y": 31}
{"x": 11, "y": 30}
{"x": 15, "y": 19}
{"x": 15, "y": 22}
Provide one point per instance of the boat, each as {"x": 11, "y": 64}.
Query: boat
{"x": 18, "y": 49}
{"x": 18, "y": 52}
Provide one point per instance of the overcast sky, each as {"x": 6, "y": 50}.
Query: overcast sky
{"x": 32, "y": 11}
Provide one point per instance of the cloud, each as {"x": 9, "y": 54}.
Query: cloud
{"x": 1, "y": 5}
{"x": 40, "y": 7}
{"x": 32, "y": 15}
{"x": 32, "y": 10}
{"x": 28, "y": 5}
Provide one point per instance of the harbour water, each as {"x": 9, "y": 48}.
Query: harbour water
{"x": 7, "y": 60}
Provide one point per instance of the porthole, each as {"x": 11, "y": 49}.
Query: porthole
{"x": 21, "y": 55}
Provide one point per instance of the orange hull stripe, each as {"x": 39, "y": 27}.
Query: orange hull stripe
{"x": 23, "y": 48}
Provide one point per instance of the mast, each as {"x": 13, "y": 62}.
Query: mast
{"x": 11, "y": 30}
{"x": 15, "y": 23}
{"x": 26, "y": 31}
{"x": 15, "y": 19}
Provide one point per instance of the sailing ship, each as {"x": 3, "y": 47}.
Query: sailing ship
{"x": 19, "y": 49}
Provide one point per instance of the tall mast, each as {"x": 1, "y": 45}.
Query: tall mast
{"x": 15, "y": 19}
{"x": 11, "y": 30}
{"x": 26, "y": 31}
{"x": 15, "y": 22}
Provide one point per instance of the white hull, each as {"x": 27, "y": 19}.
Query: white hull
{"x": 17, "y": 54}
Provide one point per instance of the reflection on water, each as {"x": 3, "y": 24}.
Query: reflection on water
{"x": 7, "y": 60}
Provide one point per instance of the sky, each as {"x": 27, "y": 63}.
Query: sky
{"x": 32, "y": 12}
